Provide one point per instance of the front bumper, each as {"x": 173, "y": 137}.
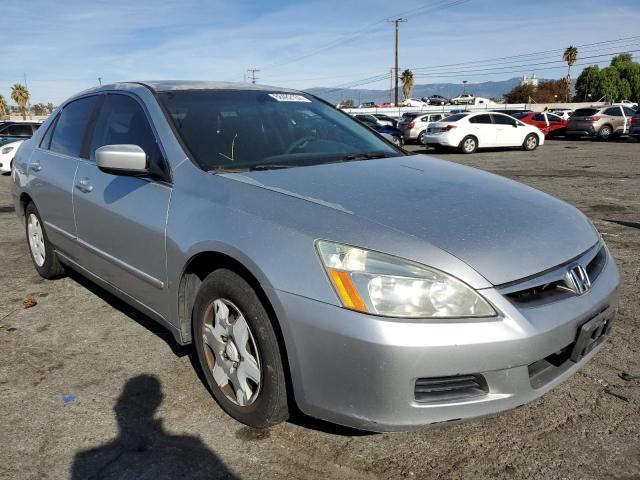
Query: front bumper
{"x": 360, "y": 370}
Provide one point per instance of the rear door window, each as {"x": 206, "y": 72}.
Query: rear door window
{"x": 70, "y": 129}
{"x": 538, "y": 117}
{"x": 628, "y": 111}
{"x": 613, "y": 111}
{"x": 553, "y": 118}
{"x": 481, "y": 119}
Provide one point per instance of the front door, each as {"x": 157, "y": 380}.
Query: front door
{"x": 121, "y": 219}
{"x": 483, "y": 129}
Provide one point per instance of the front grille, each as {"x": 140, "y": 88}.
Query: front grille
{"x": 450, "y": 389}
{"x": 553, "y": 286}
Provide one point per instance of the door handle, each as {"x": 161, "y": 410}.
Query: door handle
{"x": 36, "y": 166}
{"x": 84, "y": 185}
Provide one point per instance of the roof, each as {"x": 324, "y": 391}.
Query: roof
{"x": 173, "y": 85}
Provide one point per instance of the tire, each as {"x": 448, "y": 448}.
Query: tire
{"x": 40, "y": 249}
{"x": 260, "y": 397}
{"x": 468, "y": 145}
{"x": 605, "y": 133}
{"x": 530, "y": 142}
{"x": 422, "y": 138}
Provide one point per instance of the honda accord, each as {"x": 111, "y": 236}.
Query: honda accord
{"x": 310, "y": 261}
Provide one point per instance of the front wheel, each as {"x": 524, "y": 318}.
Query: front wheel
{"x": 468, "y": 144}
{"x": 530, "y": 142}
{"x": 238, "y": 350}
{"x": 42, "y": 253}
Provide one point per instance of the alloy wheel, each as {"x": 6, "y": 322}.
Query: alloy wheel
{"x": 469, "y": 145}
{"x": 231, "y": 352}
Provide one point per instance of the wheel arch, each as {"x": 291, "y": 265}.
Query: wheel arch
{"x": 25, "y": 199}
{"x": 194, "y": 272}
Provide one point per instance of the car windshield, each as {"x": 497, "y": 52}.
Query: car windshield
{"x": 454, "y": 118}
{"x": 251, "y": 129}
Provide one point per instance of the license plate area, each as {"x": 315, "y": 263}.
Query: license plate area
{"x": 592, "y": 333}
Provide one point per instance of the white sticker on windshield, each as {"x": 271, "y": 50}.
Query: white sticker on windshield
{"x": 289, "y": 97}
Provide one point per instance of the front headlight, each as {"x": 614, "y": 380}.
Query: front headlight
{"x": 385, "y": 285}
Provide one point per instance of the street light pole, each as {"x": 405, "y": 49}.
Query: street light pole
{"x": 464, "y": 87}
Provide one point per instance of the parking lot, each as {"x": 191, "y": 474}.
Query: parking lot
{"x": 86, "y": 381}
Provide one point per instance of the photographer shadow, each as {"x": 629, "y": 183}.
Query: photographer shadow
{"x": 143, "y": 449}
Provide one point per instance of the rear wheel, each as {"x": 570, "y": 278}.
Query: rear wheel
{"x": 530, "y": 142}
{"x": 422, "y": 138}
{"x": 605, "y": 132}
{"x": 468, "y": 144}
{"x": 42, "y": 253}
{"x": 238, "y": 350}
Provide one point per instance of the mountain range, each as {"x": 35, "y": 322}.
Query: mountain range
{"x": 449, "y": 90}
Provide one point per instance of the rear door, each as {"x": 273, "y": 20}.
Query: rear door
{"x": 617, "y": 118}
{"x": 628, "y": 113}
{"x": 52, "y": 169}
{"x": 121, "y": 219}
{"x": 483, "y": 128}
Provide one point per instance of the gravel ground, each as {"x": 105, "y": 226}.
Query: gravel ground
{"x": 89, "y": 385}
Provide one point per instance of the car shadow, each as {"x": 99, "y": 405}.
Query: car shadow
{"x": 143, "y": 448}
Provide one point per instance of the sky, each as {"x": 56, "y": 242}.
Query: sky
{"x": 63, "y": 46}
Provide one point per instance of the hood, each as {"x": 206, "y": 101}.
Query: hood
{"x": 504, "y": 230}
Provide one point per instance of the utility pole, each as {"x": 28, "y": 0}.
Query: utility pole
{"x": 28, "y": 99}
{"x": 99, "y": 80}
{"x": 397, "y": 23}
{"x": 391, "y": 85}
{"x": 464, "y": 87}
{"x": 252, "y": 72}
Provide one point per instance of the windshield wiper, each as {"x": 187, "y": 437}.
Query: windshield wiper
{"x": 266, "y": 166}
{"x": 270, "y": 166}
{"x": 366, "y": 156}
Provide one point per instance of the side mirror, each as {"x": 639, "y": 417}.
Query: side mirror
{"x": 515, "y": 124}
{"x": 122, "y": 159}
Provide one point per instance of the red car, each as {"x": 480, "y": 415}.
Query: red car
{"x": 548, "y": 123}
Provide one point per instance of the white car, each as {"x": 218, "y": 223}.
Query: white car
{"x": 470, "y": 131}
{"x": 7, "y": 152}
{"x": 626, "y": 103}
{"x": 464, "y": 99}
{"x": 412, "y": 102}
{"x": 564, "y": 113}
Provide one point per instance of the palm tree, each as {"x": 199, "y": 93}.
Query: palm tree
{"x": 3, "y": 106}
{"x": 407, "y": 83}
{"x": 20, "y": 95}
{"x": 570, "y": 56}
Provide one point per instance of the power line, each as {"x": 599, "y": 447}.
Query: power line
{"x": 443, "y": 4}
{"x": 480, "y": 70}
{"x": 557, "y": 50}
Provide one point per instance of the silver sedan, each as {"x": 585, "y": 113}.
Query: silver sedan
{"x": 309, "y": 260}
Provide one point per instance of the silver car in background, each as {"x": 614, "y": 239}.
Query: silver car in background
{"x": 309, "y": 260}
